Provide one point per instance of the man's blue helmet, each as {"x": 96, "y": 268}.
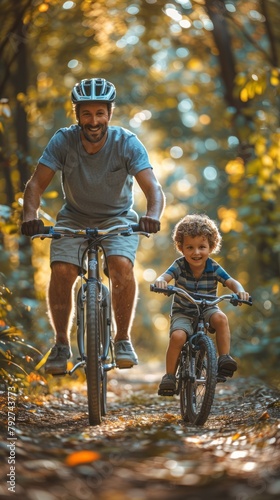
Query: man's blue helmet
{"x": 93, "y": 89}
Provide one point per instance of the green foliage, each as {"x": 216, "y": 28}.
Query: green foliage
{"x": 16, "y": 357}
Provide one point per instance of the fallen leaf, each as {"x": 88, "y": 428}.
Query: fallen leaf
{"x": 264, "y": 416}
{"x": 81, "y": 457}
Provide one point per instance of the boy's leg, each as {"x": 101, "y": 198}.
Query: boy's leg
{"x": 219, "y": 322}
{"x": 226, "y": 364}
{"x": 167, "y": 386}
{"x": 176, "y": 342}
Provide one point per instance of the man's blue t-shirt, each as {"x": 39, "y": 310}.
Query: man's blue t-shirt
{"x": 97, "y": 185}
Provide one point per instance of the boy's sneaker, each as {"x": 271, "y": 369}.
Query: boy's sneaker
{"x": 56, "y": 363}
{"x": 167, "y": 387}
{"x": 226, "y": 366}
{"x": 125, "y": 355}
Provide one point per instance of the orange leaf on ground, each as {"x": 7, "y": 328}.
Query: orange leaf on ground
{"x": 81, "y": 457}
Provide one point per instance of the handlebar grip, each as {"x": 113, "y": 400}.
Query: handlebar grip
{"x": 248, "y": 302}
{"x": 47, "y": 229}
{"x": 51, "y": 231}
{"x": 166, "y": 291}
{"x": 135, "y": 228}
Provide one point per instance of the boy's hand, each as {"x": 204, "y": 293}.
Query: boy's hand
{"x": 161, "y": 283}
{"x": 243, "y": 296}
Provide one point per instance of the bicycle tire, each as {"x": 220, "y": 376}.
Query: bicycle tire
{"x": 105, "y": 333}
{"x": 182, "y": 383}
{"x": 80, "y": 317}
{"x": 93, "y": 347}
{"x": 200, "y": 392}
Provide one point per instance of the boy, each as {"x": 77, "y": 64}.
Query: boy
{"x": 196, "y": 237}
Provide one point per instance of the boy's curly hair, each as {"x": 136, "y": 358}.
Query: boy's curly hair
{"x": 197, "y": 225}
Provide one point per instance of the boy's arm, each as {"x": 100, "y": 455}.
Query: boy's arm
{"x": 163, "y": 280}
{"x": 237, "y": 288}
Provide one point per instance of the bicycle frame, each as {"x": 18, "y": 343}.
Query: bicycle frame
{"x": 92, "y": 253}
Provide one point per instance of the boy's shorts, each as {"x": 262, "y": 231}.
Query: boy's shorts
{"x": 70, "y": 250}
{"x": 186, "y": 323}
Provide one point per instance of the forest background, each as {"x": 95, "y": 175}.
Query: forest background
{"x": 198, "y": 82}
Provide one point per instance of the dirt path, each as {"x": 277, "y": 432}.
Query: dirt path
{"x": 143, "y": 450}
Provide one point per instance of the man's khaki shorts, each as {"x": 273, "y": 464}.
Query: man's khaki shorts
{"x": 71, "y": 249}
{"x": 180, "y": 322}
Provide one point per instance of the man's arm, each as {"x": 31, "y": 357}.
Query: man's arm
{"x": 34, "y": 189}
{"x": 155, "y": 200}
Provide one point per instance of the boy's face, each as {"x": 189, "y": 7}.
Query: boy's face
{"x": 196, "y": 251}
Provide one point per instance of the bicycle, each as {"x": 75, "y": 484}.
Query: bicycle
{"x": 196, "y": 375}
{"x": 93, "y": 313}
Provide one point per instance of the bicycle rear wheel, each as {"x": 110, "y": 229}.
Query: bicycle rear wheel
{"x": 199, "y": 393}
{"x": 94, "y": 370}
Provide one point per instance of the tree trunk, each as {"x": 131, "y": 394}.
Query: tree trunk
{"x": 21, "y": 125}
{"x": 216, "y": 10}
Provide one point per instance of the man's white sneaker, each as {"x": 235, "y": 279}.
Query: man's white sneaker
{"x": 124, "y": 354}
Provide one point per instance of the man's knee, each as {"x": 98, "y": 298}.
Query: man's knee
{"x": 120, "y": 267}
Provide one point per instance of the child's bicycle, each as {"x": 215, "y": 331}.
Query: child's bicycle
{"x": 196, "y": 375}
{"x": 93, "y": 311}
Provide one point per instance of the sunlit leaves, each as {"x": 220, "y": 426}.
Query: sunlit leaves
{"x": 229, "y": 220}
{"x": 16, "y": 356}
{"x": 235, "y": 169}
{"x": 275, "y": 77}
{"x": 43, "y": 7}
{"x": 251, "y": 87}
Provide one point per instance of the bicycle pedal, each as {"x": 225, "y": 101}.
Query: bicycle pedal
{"x": 124, "y": 366}
{"x": 225, "y": 373}
{"x": 166, "y": 392}
{"x": 221, "y": 378}
{"x": 55, "y": 368}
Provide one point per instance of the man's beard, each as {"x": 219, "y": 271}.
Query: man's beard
{"x": 98, "y": 134}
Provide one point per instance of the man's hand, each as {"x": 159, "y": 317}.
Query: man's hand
{"x": 31, "y": 227}
{"x": 149, "y": 225}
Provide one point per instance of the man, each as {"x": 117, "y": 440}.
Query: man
{"x": 97, "y": 163}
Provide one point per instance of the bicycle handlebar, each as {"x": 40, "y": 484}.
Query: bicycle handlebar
{"x": 60, "y": 232}
{"x": 197, "y": 298}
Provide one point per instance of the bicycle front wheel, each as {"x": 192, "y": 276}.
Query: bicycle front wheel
{"x": 200, "y": 391}
{"x": 105, "y": 336}
{"x": 93, "y": 354}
